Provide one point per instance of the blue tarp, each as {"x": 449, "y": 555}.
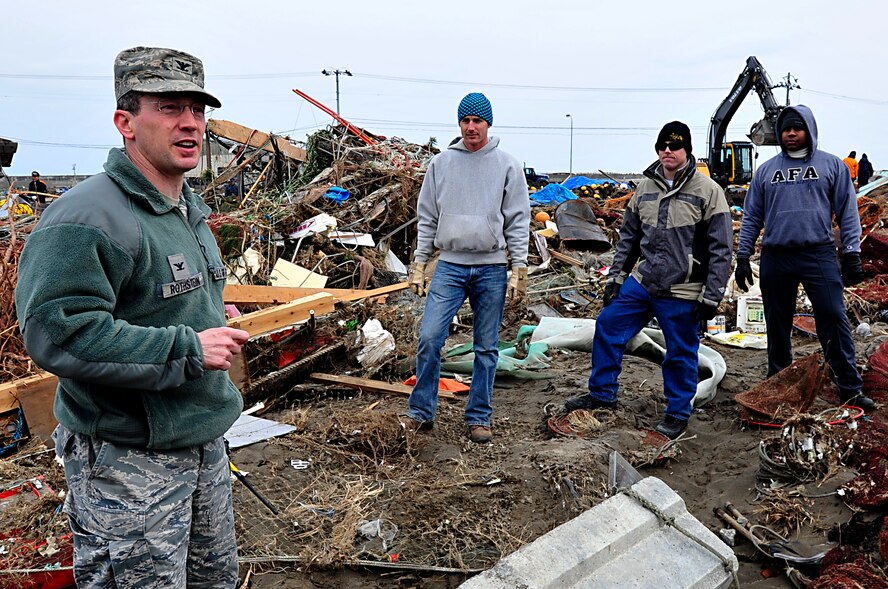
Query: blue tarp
{"x": 577, "y": 181}
{"x": 552, "y": 194}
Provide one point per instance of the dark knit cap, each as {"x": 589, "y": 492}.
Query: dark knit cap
{"x": 792, "y": 119}
{"x": 475, "y": 105}
{"x": 676, "y": 133}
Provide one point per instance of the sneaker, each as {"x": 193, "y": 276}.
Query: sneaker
{"x": 862, "y": 401}
{"x": 480, "y": 434}
{"x": 671, "y": 427}
{"x": 411, "y": 426}
{"x": 586, "y": 401}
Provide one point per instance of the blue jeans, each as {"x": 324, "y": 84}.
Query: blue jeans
{"x": 626, "y": 316}
{"x": 485, "y": 287}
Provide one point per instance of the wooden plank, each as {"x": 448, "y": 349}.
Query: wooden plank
{"x": 252, "y": 294}
{"x": 35, "y": 394}
{"x": 274, "y": 318}
{"x": 371, "y": 386}
{"x": 565, "y": 258}
{"x": 231, "y": 173}
{"x": 253, "y": 138}
{"x": 37, "y": 399}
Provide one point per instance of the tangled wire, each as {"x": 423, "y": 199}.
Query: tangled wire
{"x": 808, "y": 448}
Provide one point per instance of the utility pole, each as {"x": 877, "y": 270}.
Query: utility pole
{"x": 790, "y": 83}
{"x": 571, "y": 168}
{"x": 337, "y": 74}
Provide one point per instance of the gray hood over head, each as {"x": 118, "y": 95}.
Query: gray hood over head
{"x": 807, "y": 116}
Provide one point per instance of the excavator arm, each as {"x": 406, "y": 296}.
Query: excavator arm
{"x": 752, "y": 77}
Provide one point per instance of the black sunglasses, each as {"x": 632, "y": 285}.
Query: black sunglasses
{"x": 671, "y": 145}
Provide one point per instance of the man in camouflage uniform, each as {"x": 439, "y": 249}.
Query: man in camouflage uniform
{"x": 120, "y": 295}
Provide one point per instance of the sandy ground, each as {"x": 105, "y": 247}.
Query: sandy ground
{"x": 439, "y": 492}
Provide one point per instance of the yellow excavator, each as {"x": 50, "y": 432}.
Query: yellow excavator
{"x": 22, "y": 204}
{"x": 732, "y": 164}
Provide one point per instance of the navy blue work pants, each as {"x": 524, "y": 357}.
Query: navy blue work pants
{"x": 817, "y": 269}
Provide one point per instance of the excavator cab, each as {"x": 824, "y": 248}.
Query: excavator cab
{"x": 737, "y": 160}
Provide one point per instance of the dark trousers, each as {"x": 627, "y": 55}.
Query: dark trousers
{"x": 817, "y": 269}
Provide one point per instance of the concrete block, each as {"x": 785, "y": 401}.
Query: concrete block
{"x": 618, "y": 543}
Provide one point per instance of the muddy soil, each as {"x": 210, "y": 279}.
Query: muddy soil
{"x": 459, "y": 505}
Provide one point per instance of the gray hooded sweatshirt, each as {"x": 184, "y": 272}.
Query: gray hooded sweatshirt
{"x": 794, "y": 199}
{"x": 474, "y": 207}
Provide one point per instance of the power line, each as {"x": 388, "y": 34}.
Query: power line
{"x": 530, "y": 86}
{"x": 274, "y": 75}
{"x": 843, "y": 97}
{"x": 54, "y": 144}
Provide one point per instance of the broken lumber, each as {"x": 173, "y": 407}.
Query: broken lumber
{"x": 253, "y": 138}
{"x": 252, "y": 294}
{"x": 281, "y": 316}
{"x": 35, "y": 394}
{"x": 565, "y": 258}
{"x": 370, "y": 386}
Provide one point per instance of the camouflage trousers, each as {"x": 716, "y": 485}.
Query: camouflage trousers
{"x": 148, "y": 518}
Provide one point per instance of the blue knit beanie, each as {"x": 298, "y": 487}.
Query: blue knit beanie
{"x": 475, "y": 105}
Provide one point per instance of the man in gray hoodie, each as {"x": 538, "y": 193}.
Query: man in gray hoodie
{"x": 474, "y": 208}
{"x": 794, "y": 196}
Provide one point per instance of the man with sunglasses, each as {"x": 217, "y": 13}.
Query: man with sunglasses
{"x": 794, "y": 197}
{"x": 672, "y": 262}
{"x": 120, "y": 295}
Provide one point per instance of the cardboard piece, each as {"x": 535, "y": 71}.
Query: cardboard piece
{"x": 286, "y": 273}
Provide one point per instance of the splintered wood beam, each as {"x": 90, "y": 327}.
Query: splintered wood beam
{"x": 274, "y": 318}
{"x": 370, "y": 386}
{"x": 565, "y": 258}
{"x": 35, "y": 395}
{"x": 231, "y": 173}
{"x": 252, "y": 294}
{"x": 253, "y": 138}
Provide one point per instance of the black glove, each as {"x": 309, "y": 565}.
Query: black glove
{"x": 852, "y": 269}
{"x": 611, "y": 290}
{"x": 743, "y": 274}
{"x": 705, "y": 311}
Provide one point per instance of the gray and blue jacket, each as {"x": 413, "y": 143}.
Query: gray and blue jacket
{"x": 113, "y": 286}
{"x": 794, "y": 199}
{"x": 681, "y": 235}
{"x": 473, "y": 207}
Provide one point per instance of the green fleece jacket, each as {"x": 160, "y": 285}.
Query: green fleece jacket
{"x": 113, "y": 286}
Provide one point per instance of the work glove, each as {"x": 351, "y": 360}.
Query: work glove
{"x": 416, "y": 278}
{"x": 743, "y": 274}
{"x": 705, "y": 311}
{"x": 611, "y": 290}
{"x": 852, "y": 269}
{"x": 517, "y": 287}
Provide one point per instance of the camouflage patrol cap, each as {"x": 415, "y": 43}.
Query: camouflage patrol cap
{"x": 155, "y": 69}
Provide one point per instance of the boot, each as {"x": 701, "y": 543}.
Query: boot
{"x": 586, "y": 401}
{"x": 862, "y": 401}
{"x": 671, "y": 427}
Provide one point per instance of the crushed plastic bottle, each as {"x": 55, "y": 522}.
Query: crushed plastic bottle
{"x": 864, "y": 330}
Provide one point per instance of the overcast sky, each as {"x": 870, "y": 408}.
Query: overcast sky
{"x": 620, "y": 68}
